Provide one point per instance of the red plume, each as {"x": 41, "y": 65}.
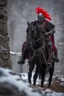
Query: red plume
{"x": 45, "y": 13}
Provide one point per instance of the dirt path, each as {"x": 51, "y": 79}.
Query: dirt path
{"x": 55, "y": 87}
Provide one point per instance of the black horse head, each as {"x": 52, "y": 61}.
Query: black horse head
{"x": 35, "y": 35}
{"x": 31, "y": 31}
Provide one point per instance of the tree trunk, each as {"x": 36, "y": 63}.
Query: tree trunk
{"x": 4, "y": 39}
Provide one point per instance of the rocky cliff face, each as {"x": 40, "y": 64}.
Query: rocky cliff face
{"x": 4, "y": 39}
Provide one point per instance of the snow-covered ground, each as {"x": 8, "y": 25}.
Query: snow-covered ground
{"x": 20, "y": 81}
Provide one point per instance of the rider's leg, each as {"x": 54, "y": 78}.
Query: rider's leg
{"x": 24, "y": 55}
{"x": 50, "y": 54}
{"x": 50, "y": 57}
{"x": 55, "y": 57}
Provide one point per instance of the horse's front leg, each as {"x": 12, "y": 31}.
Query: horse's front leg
{"x": 42, "y": 73}
{"x": 42, "y": 78}
{"x": 35, "y": 75}
{"x": 31, "y": 67}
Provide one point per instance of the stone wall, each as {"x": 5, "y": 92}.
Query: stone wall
{"x": 4, "y": 39}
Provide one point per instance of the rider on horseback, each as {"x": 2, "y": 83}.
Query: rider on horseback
{"x": 48, "y": 28}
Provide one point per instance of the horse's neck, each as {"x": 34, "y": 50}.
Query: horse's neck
{"x": 38, "y": 34}
{"x": 39, "y": 40}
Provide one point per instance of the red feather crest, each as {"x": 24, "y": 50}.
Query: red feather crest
{"x": 45, "y": 13}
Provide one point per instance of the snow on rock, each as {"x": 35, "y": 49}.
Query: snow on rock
{"x": 8, "y": 76}
{"x": 24, "y": 77}
{"x": 48, "y": 91}
{"x": 9, "y": 80}
{"x": 62, "y": 84}
{"x": 61, "y": 80}
{"x": 54, "y": 94}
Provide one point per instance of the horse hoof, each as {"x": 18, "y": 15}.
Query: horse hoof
{"x": 42, "y": 86}
{"x": 34, "y": 84}
{"x": 49, "y": 86}
{"x": 30, "y": 83}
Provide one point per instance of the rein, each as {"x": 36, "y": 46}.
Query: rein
{"x": 38, "y": 39}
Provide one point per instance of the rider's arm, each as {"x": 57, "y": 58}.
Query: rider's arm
{"x": 50, "y": 32}
{"x": 50, "y": 28}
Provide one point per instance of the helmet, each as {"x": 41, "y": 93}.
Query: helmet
{"x": 40, "y": 18}
{"x": 42, "y": 14}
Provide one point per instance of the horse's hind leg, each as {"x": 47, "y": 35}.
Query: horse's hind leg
{"x": 31, "y": 67}
{"x": 51, "y": 71}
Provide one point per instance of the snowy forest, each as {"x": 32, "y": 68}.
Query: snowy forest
{"x": 13, "y": 24}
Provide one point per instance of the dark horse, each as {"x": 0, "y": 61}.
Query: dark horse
{"x": 38, "y": 54}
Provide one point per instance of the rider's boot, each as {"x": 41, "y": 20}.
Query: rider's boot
{"x": 55, "y": 57}
{"x": 21, "y": 61}
{"x": 23, "y": 57}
